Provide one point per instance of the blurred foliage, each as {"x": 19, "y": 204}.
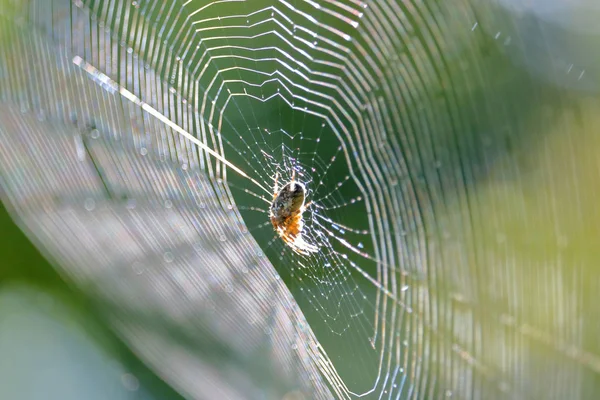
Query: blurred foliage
{"x": 24, "y": 269}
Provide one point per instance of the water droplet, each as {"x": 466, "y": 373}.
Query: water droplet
{"x": 137, "y": 268}
{"x": 130, "y": 382}
{"x": 168, "y": 203}
{"x": 168, "y": 256}
{"x": 89, "y": 204}
{"x": 143, "y": 151}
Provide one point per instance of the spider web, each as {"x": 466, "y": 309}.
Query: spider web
{"x": 353, "y": 99}
{"x": 284, "y": 104}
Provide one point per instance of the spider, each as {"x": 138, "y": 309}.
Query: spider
{"x": 286, "y": 215}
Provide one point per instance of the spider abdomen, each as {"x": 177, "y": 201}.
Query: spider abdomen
{"x": 286, "y": 216}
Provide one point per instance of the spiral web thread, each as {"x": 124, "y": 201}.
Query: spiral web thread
{"x": 260, "y": 91}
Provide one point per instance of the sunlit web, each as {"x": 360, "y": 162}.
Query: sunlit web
{"x": 274, "y": 97}
{"x": 276, "y": 100}
{"x": 293, "y": 89}
{"x": 314, "y": 90}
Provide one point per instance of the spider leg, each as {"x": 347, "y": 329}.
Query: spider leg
{"x": 305, "y": 206}
{"x": 276, "y": 185}
{"x": 292, "y": 183}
